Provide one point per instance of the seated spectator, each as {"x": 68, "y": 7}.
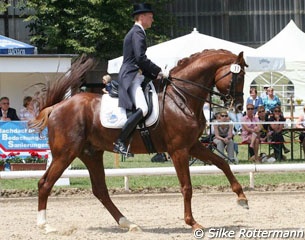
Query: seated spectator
{"x": 254, "y": 99}
{"x": 271, "y": 101}
{"x": 7, "y": 113}
{"x": 277, "y": 133}
{"x": 106, "y": 79}
{"x": 224, "y": 135}
{"x": 264, "y": 128}
{"x": 250, "y": 132}
{"x": 301, "y": 124}
{"x": 236, "y": 118}
{"x": 27, "y": 112}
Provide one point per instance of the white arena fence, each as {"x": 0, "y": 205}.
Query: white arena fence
{"x": 251, "y": 169}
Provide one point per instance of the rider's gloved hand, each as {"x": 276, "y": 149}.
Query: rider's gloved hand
{"x": 164, "y": 73}
{"x": 161, "y": 75}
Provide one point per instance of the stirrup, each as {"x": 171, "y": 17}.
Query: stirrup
{"x": 119, "y": 147}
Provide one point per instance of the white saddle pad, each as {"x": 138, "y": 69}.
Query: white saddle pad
{"x": 113, "y": 116}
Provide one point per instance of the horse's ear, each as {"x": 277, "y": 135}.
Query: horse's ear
{"x": 240, "y": 55}
{"x": 241, "y": 60}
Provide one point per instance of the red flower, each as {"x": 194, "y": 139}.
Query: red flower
{"x": 12, "y": 154}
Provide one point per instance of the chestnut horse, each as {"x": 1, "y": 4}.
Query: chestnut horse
{"x": 75, "y": 130}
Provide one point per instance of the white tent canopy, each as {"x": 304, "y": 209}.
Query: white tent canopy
{"x": 168, "y": 53}
{"x": 289, "y": 44}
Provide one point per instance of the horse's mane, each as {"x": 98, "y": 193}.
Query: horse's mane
{"x": 187, "y": 60}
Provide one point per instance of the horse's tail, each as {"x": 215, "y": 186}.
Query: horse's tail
{"x": 67, "y": 84}
{"x": 40, "y": 122}
{"x": 60, "y": 89}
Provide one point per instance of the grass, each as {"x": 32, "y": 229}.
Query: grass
{"x": 147, "y": 182}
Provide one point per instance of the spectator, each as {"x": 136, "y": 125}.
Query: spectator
{"x": 301, "y": 124}
{"x": 106, "y": 79}
{"x": 7, "y": 113}
{"x": 277, "y": 134}
{"x": 271, "y": 101}
{"x": 28, "y": 111}
{"x": 250, "y": 132}
{"x": 236, "y": 118}
{"x": 254, "y": 99}
{"x": 224, "y": 135}
{"x": 264, "y": 133}
{"x": 264, "y": 93}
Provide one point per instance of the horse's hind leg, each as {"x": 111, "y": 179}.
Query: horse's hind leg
{"x": 45, "y": 185}
{"x": 180, "y": 161}
{"x": 206, "y": 155}
{"x": 95, "y": 166}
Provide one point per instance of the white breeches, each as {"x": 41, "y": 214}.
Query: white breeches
{"x": 137, "y": 94}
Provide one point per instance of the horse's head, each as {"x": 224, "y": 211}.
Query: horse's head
{"x": 229, "y": 80}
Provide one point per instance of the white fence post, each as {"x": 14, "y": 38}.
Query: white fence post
{"x": 251, "y": 175}
{"x": 126, "y": 183}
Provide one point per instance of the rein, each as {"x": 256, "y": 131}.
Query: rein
{"x": 169, "y": 79}
{"x": 210, "y": 91}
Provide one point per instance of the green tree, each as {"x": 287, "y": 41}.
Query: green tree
{"x": 88, "y": 26}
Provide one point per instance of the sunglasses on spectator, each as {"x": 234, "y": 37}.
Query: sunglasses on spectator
{"x": 276, "y": 111}
{"x": 250, "y": 108}
{"x": 261, "y": 111}
{"x": 224, "y": 115}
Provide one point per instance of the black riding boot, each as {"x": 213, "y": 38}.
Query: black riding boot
{"x": 128, "y": 128}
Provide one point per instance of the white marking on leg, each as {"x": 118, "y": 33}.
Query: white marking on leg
{"x": 42, "y": 222}
{"x": 41, "y": 218}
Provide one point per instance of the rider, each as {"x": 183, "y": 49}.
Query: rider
{"x": 135, "y": 67}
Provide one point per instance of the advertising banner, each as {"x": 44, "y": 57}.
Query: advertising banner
{"x": 15, "y": 137}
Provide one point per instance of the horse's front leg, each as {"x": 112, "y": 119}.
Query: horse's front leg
{"x": 180, "y": 160}
{"x": 206, "y": 155}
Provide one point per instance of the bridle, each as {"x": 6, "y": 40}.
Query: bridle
{"x": 235, "y": 69}
{"x": 230, "y": 96}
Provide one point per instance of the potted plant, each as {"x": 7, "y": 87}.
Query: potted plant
{"x": 34, "y": 161}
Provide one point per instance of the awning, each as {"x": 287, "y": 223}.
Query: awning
{"x": 13, "y": 47}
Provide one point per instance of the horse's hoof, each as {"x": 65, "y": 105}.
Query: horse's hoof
{"x": 134, "y": 228}
{"x": 243, "y": 202}
{"x": 47, "y": 228}
{"x": 197, "y": 226}
{"x": 125, "y": 223}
